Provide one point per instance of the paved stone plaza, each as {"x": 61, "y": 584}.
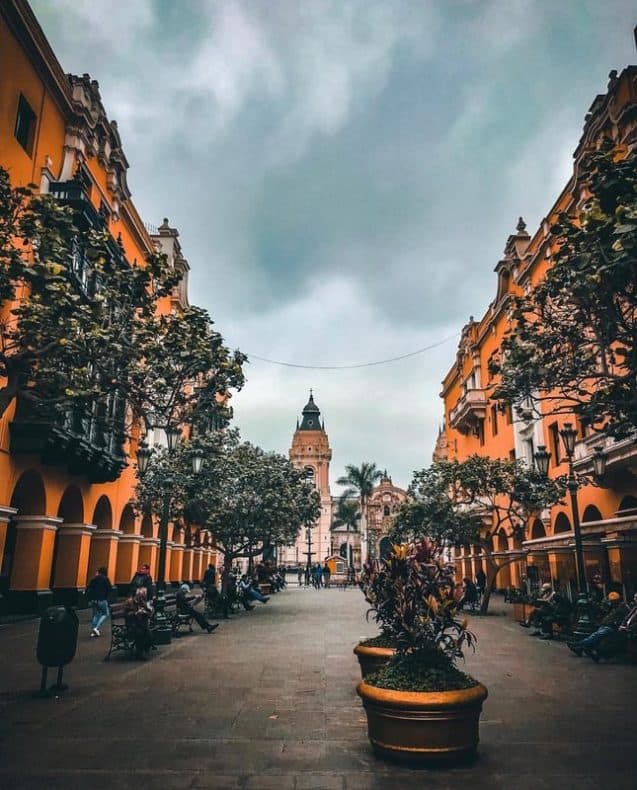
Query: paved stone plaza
{"x": 268, "y": 702}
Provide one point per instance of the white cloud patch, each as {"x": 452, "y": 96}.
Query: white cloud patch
{"x": 344, "y": 174}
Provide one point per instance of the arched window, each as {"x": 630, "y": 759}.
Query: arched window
{"x": 627, "y": 506}
{"x": 562, "y": 524}
{"x": 537, "y": 530}
{"x": 591, "y": 513}
{"x": 386, "y": 510}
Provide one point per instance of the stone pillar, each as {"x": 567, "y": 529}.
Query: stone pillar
{"x": 32, "y": 563}
{"x": 104, "y": 551}
{"x": 71, "y": 572}
{"x": 169, "y": 553}
{"x": 187, "y": 564}
{"x": 176, "y": 564}
{"x": 148, "y": 551}
{"x": 127, "y": 562}
{"x": 6, "y": 514}
{"x": 196, "y": 568}
{"x": 562, "y": 566}
{"x": 622, "y": 562}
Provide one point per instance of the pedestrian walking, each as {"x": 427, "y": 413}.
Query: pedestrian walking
{"x": 299, "y": 575}
{"x": 97, "y": 594}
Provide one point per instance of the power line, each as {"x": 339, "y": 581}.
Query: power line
{"x": 352, "y": 367}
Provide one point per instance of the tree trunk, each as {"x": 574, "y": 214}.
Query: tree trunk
{"x": 8, "y": 393}
{"x": 492, "y": 575}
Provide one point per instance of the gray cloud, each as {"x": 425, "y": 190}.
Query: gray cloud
{"x": 344, "y": 174}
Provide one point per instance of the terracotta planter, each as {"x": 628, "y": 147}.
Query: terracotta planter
{"x": 418, "y": 726}
{"x": 372, "y": 658}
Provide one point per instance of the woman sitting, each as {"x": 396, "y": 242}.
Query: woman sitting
{"x": 138, "y": 612}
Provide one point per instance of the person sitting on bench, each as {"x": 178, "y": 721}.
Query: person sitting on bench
{"x": 608, "y": 625}
{"x": 138, "y": 612}
{"x": 541, "y": 606}
{"x": 250, "y": 591}
{"x": 185, "y": 605}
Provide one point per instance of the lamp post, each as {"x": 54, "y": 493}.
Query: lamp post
{"x": 309, "y": 553}
{"x": 542, "y": 459}
{"x": 162, "y": 629}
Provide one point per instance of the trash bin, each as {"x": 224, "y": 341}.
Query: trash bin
{"x": 57, "y": 638}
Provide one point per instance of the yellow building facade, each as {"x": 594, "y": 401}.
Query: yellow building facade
{"x": 66, "y": 496}
{"x": 475, "y": 424}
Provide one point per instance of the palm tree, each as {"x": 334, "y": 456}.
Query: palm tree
{"x": 347, "y": 515}
{"x": 360, "y": 482}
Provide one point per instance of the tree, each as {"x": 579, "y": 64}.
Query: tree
{"x": 69, "y": 301}
{"x": 347, "y": 515}
{"x": 572, "y": 347}
{"x": 473, "y": 502}
{"x": 360, "y": 482}
{"x": 180, "y": 367}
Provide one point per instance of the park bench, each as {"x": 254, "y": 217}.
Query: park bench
{"x": 178, "y": 620}
{"x": 121, "y": 638}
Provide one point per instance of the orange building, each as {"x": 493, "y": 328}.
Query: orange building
{"x": 65, "y": 495}
{"x": 474, "y": 424}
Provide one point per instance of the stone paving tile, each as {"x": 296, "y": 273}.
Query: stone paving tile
{"x": 198, "y": 715}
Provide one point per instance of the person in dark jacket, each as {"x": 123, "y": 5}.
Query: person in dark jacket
{"x": 97, "y": 594}
{"x": 209, "y": 577}
{"x": 142, "y": 579}
{"x": 186, "y": 605}
{"x": 138, "y": 612}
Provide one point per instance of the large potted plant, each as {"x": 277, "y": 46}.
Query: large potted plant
{"x": 375, "y": 652}
{"x": 419, "y": 705}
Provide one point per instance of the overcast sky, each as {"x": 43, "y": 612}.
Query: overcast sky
{"x": 344, "y": 174}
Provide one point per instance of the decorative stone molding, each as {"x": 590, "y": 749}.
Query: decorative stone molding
{"x": 128, "y": 538}
{"x": 107, "y": 534}
{"x": 77, "y": 529}
{"x": 37, "y": 522}
{"x": 149, "y": 541}
{"x": 6, "y": 513}
{"x": 89, "y": 133}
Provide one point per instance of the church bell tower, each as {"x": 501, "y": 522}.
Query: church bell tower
{"x": 311, "y": 451}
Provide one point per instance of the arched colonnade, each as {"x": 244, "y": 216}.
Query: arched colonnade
{"x": 50, "y": 546}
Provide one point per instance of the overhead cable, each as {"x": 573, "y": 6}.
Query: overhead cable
{"x": 351, "y": 367}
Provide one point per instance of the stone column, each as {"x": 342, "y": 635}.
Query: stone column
{"x": 562, "y": 564}
{"x": 6, "y": 514}
{"x": 71, "y": 572}
{"x": 622, "y": 561}
{"x": 176, "y": 564}
{"x": 169, "y": 554}
{"x": 196, "y": 568}
{"x": 187, "y": 564}
{"x": 32, "y": 563}
{"x": 148, "y": 551}
{"x": 104, "y": 551}
{"x": 127, "y": 561}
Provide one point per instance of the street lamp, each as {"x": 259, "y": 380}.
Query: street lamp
{"x": 197, "y": 461}
{"x": 143, "y": 457}
{"x": 569, "y": 439}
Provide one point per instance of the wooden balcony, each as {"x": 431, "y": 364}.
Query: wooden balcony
{"x": 470, "y": 409}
